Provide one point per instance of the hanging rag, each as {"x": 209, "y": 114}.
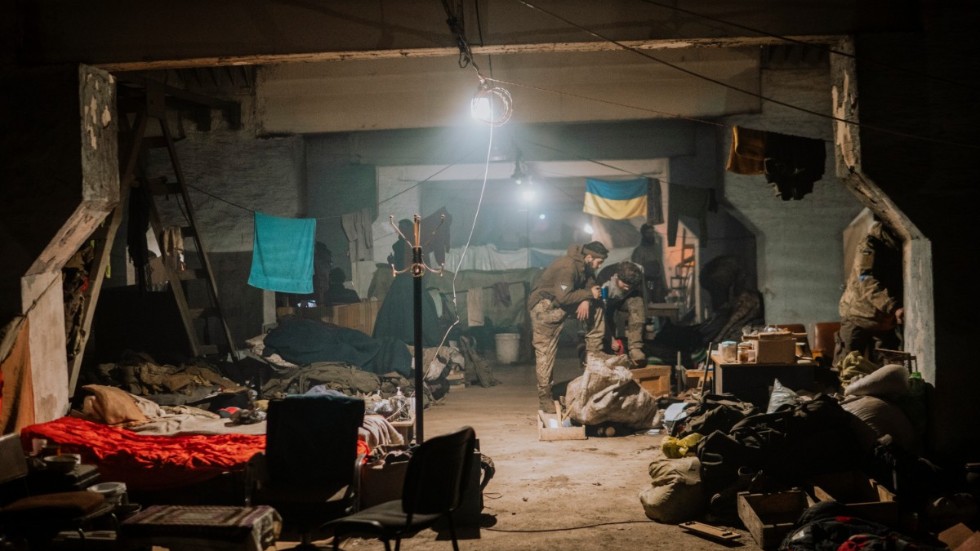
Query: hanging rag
{"x": 501, "y": 294}
{"x": 173, "y": 248}
{"x": 357, "y": 227}
{"x": 693, "y": 202}
{"x": 435, "y": 234}
{"x": 474, "y": 307}
{"x": 655, "y": 203}
{"x": 748, "y": 152}
{"x": 282, "y": 254}
{"x": 791, "y": 163}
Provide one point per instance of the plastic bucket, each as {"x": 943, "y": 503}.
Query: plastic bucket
{"x": 508, "y": 344}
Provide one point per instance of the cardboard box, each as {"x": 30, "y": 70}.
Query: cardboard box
{"x": 865, "y": 497}
{"x": 405, "y": 428}
{"x": 775, "y": 351}
{"x": 655, "y": 379}
{"x": 359, "y": 315}
{"x": 549, "y": 428}
{"x": 381, "y": 482}
{"x": 770, "y": 517}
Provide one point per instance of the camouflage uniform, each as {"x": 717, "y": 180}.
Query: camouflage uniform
{"x": 872, "y": 297}
{"x": 628, "y": 307}
{"x": 558, "y": 292}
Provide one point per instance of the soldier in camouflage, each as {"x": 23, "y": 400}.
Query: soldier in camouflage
{"x": 567, "y": 286}
{"x": 625, "y": 302}
{"x": 871, "y": 306}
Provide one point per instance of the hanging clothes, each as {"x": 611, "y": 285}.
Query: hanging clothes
{"x": 435, "y": 234}
{"x": 357, "y": 227}
{"x": 282, "y": 254}
{"x": 655, "y": 203}
{"x": 474, "y": 307}
{"x": 173, "y": 248}
{"x": 748, "y": 152}
{"x": 792, "y": 164}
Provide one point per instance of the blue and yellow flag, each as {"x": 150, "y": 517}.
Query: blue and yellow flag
{"x": 617, "y": 200}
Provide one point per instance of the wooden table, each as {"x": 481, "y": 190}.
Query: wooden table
{"x": 753, "y": 382}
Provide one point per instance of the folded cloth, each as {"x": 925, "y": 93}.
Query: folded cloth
{"x": 282, "y": 254}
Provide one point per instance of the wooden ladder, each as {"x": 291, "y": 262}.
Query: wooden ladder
{"x": 194, "y": 317}
{"x": 683, "y": 280}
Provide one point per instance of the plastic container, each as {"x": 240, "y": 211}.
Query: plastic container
{"x": 508, "y": 345}
{"x": 113, "y": 492}
{"x": 746, "y": 354}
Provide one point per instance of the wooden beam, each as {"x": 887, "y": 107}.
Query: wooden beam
{"x": 502, "y": 49}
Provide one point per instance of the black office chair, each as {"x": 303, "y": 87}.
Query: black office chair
{"x": 36, "y": 519}
{"x": 434, "y": 484}
{"x": 309, "y": 471}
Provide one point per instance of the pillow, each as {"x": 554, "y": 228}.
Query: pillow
{"x": 114, "y": 406}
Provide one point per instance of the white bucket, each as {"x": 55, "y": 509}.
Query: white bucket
{"x": 508, "y": 344}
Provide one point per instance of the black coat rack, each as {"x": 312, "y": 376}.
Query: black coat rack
{"x": 418, "y": 269}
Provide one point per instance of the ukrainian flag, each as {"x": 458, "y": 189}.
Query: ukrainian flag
{"x": 617, "y": 200}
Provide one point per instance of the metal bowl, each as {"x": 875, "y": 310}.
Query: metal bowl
{"x": 61, "y": 463}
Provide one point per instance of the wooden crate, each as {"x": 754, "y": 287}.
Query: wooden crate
{"x": 359, "y": 315}
{"x": 655, "y": 379}
{"x": 770, "y": 517}
{"x": 865, "y": 497}
{"x": 549, "y": 428}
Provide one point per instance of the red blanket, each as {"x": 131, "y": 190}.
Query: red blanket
{"x": 152, "y": 462}
{"x": 149, "y": 462}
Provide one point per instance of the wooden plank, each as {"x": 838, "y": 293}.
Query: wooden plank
{"x": 550, "y": 429}
{"x": 710, "y": 531}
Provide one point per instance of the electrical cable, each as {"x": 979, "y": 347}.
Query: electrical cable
{"x": 820, "y": 46}
{"x": 758, "y": 95}
{"x": 580, "y": 527}
{"x": 469, "y": 239}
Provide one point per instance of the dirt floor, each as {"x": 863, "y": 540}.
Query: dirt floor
{"x": 580, "y": 494}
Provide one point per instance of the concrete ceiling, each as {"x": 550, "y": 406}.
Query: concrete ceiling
{"x": 330, "y": 66}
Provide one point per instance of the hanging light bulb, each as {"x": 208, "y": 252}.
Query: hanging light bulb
{"x": 491, "y": 104}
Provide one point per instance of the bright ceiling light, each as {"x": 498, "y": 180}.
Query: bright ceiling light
{"x": 529, "y": 195}
{"x": 588, "y": 229}
{"x": 491, "y": 104}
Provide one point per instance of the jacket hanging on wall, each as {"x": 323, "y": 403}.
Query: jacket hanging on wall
{"x": 791, "y": 163}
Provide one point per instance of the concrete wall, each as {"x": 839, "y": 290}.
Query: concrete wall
{"x": 61, "y": 179}
{"x": 800, "y": 242}
{"x": 230, "y": 174}
{"x": 919, "y": 145}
